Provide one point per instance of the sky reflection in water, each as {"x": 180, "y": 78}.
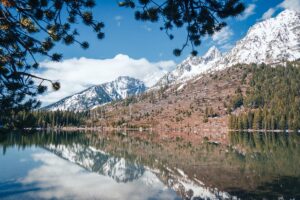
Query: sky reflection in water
{"x": 51, "y": 177}
{"x": 117, "y": 166}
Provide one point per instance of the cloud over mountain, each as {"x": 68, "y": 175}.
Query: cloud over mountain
{"x": 77, "y": 74}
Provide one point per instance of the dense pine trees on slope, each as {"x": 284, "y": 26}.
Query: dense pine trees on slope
{"x": 46, "y": 119}
{"x": 273, "y": 100}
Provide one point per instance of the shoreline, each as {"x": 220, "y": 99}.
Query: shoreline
{"x": 151, "y": 129}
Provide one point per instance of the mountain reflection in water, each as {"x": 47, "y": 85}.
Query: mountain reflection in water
{"x": 138, "y": 165}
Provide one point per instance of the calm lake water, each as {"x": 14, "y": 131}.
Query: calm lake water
{"x": 138, "y": 165}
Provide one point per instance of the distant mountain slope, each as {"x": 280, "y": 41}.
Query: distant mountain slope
{"x": 192, "y": 66}
{"x": 270, "y": 41}
{"x": 120, "y": 88}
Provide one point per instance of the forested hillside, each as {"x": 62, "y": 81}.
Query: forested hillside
{"x": 272, "y": 101}
{"x": 240, "y": 97}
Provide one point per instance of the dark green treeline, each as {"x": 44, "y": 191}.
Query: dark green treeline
{"x": 45, "y": 119}
{"x": 273, "y": 99}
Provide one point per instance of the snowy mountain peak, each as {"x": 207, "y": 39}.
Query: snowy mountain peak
{"x": 191, "y": 66}
{"x": 124, "y": 78}
{"x": 280, "y": 21}
{"x": 120, "y": 88}
{"x": 124, "y": 86}
{"x": 212, "y": 54}
{"x": 288, "y": 13}
{"x": 271, "y": 41}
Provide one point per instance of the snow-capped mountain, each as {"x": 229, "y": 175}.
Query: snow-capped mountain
{"x": 120, "y": 88}
{"x": 124, "y": 171}
{"x": 98, "y": 161}
{"x": 192, "y": 66}
{"x": 271, "y": 41}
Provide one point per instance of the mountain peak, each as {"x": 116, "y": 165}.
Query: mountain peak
{"x": 120, "y": 88}
{"x": 125, "y": 78}
{"x": 285, "y": 17}
{"x": 212, "y": 53}
{"x": 270, "y": 41}
{"x": 287, "y": 13}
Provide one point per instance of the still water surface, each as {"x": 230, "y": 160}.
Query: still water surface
{"x": 77, "y": 165}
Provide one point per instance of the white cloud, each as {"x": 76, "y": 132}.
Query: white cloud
{"x": 248, "y": 12}
{"x": 290, "y": 4}
{"x": 268, "y": 14}
{"x": 57, "y": 178}
{"x": 222, "y": 36}
{"x": 77, "y": 74}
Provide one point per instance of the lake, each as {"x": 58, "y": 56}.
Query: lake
{"x": 145, "y": 165}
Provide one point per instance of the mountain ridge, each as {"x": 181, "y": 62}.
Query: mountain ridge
{"x": 270, "y": 41}
{"x": 191, "y": 66}
{"x": 96, "y": 95}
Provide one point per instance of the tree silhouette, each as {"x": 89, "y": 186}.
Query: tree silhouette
{"x": 21, "y": 21}
{"x": 199, "y": 17}
{"x": 30, "y": 28}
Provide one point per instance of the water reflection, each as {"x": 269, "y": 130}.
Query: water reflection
{"x": 57, "y": 179}
{"x": 78, "y": 165}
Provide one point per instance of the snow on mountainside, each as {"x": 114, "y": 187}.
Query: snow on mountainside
{"x": 98, "y": 161}
{"x": 270, "y": 41}
{"x": 120, "y": 88}
{"x": 192, "y": 66}
{"x": 123, "y": 171}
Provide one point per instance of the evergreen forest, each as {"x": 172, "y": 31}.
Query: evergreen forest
{"x": 272, "y": 100}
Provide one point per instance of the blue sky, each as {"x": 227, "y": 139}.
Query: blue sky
{"x": 123, "y": 34}
{"x": 139, "y": 49}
